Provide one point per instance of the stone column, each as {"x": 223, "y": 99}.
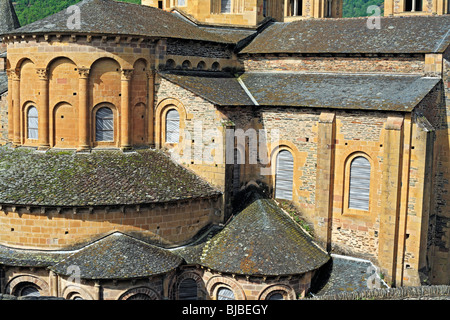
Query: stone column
{"x": 10, "y": 74}
{"x": 16, "y": 106}
{"x": 125, "y": 132}
{"x": 325, "y": 176}
{"x": 390, "y": 197}
{"x": 53, "y": 284}
{"x": 43, "y": 109}
{"x": 83, "y": 110}
{"x": 151, "y": 107}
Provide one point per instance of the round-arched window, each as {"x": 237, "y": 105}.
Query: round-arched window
{"x": 225, "y": 294}
{"x": 172, "y": 126}
{"x": 275, "y": 296}
{"x": 284, "y": 175}
{"x": 139, "y": 296}
{"x": 104, "y": 124}
{"x": 32, "y": 122}
{"x": 359, "y": 184}
{"x": 29, "y": 291}
{"x": 187, "y": 290}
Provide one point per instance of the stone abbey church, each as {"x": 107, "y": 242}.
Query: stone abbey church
{"x": 115, "y": 176}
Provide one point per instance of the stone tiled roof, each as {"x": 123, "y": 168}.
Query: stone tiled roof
{"x": 8, "y": 17}
{"x": 100, "y": 17}
{"x": 418, "y": 34}
{"x": 29, "y": 177}
{"x": 343, "y": 91}
{"x": 30, "y": 258}
{"x": 340, "y": 91}
{"x": 217, "y": 87}
{"x": 260, "y": 240}
{"x": 119, "y": 256}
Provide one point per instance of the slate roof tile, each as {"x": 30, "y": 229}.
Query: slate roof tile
{"x": 413, "y": 34}
{"x": 260, "y": 240}
{"x": 53, "y": 178}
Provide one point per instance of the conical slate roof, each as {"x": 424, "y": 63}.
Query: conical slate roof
{"x": 8, "y": 17}
{"x": 119, "y": 256}
{"x": 261, "y": 240}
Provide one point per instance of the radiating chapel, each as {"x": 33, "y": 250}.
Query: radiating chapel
{"x": 146, "y": 150}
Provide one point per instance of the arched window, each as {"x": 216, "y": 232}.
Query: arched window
{"x": 275, "y": 296}
{"x": 29, "y": 291}
{"x": 284, "y": 175}
{"x": 225, "y": 6}
{"x": 32, "y": 121}
{"x": 201, "y": 65}
{"x": 225, "y": 294}
{"x": 172, "y": 126}
{"x": 104, "y": 124}
{"x": 170, "y": 64}
{"x": 186, "y": 65}
{"x": 139, "y": 296}
{"x": 359, "y": 184}
{"x": 215, "y": 66}
{"x": 188, "y": 290}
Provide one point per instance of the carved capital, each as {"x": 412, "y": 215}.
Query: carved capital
{"x": 42, "y": 73}
{"x": 13, "y": 74}
{"x": 127, "y": 74}
{"x": 84, "y": 72}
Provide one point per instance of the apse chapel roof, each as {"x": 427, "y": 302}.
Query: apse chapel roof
{"x": 315, "y": 90}
{"x": 101, "y": 178}
{"x": 412, "y": 34}
{"x": 99, "y": 17}
{"x": 260, "y": 240}
{"x": 119, "y": 256}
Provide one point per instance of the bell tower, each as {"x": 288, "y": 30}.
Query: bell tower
{"x": 416, "y": 7}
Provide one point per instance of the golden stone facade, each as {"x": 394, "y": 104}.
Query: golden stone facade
{"x": 403, "y": 140}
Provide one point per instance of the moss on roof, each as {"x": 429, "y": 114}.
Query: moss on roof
{"x": 119, "y": 256}
{"x": 30, "y": 177}
{"x": 261, "y": 240}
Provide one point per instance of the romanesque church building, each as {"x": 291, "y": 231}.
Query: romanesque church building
{"x": 147, "y": 150}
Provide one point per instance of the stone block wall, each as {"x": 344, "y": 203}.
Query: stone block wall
{"x": 165, "y": 224}
{"x": 368, "y": 63}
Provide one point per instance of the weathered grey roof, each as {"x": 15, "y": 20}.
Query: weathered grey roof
{"x": 217, "y": 87}
{"x": 260, "y": 240}
{"x": 412, "y": 34}
{"x": 29, "y": 177}
{"x": 3, "y": 82}
{"x": 120, "y": 18}
{"x": 8, "y": 17}
{"x": 119, "y": 256}
{"x": 30, "y": 258}
{"x": 343, "y": 91}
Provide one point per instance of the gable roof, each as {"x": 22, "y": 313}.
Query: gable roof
{"x": 102, "y": 178}
{"x": 261, "y": 240}
{"x": 99, "y": 17}
{"x": 119, "y": 256}
{"x": 410, "y": 34}
{"x": 8, "y": 17}
{"x": 315, "y": 90}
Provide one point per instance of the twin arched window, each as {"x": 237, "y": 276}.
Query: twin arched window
{"x": 104, "y": 124}
{"x": 32, "y": 123}
{"x": 359, "y": 184}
